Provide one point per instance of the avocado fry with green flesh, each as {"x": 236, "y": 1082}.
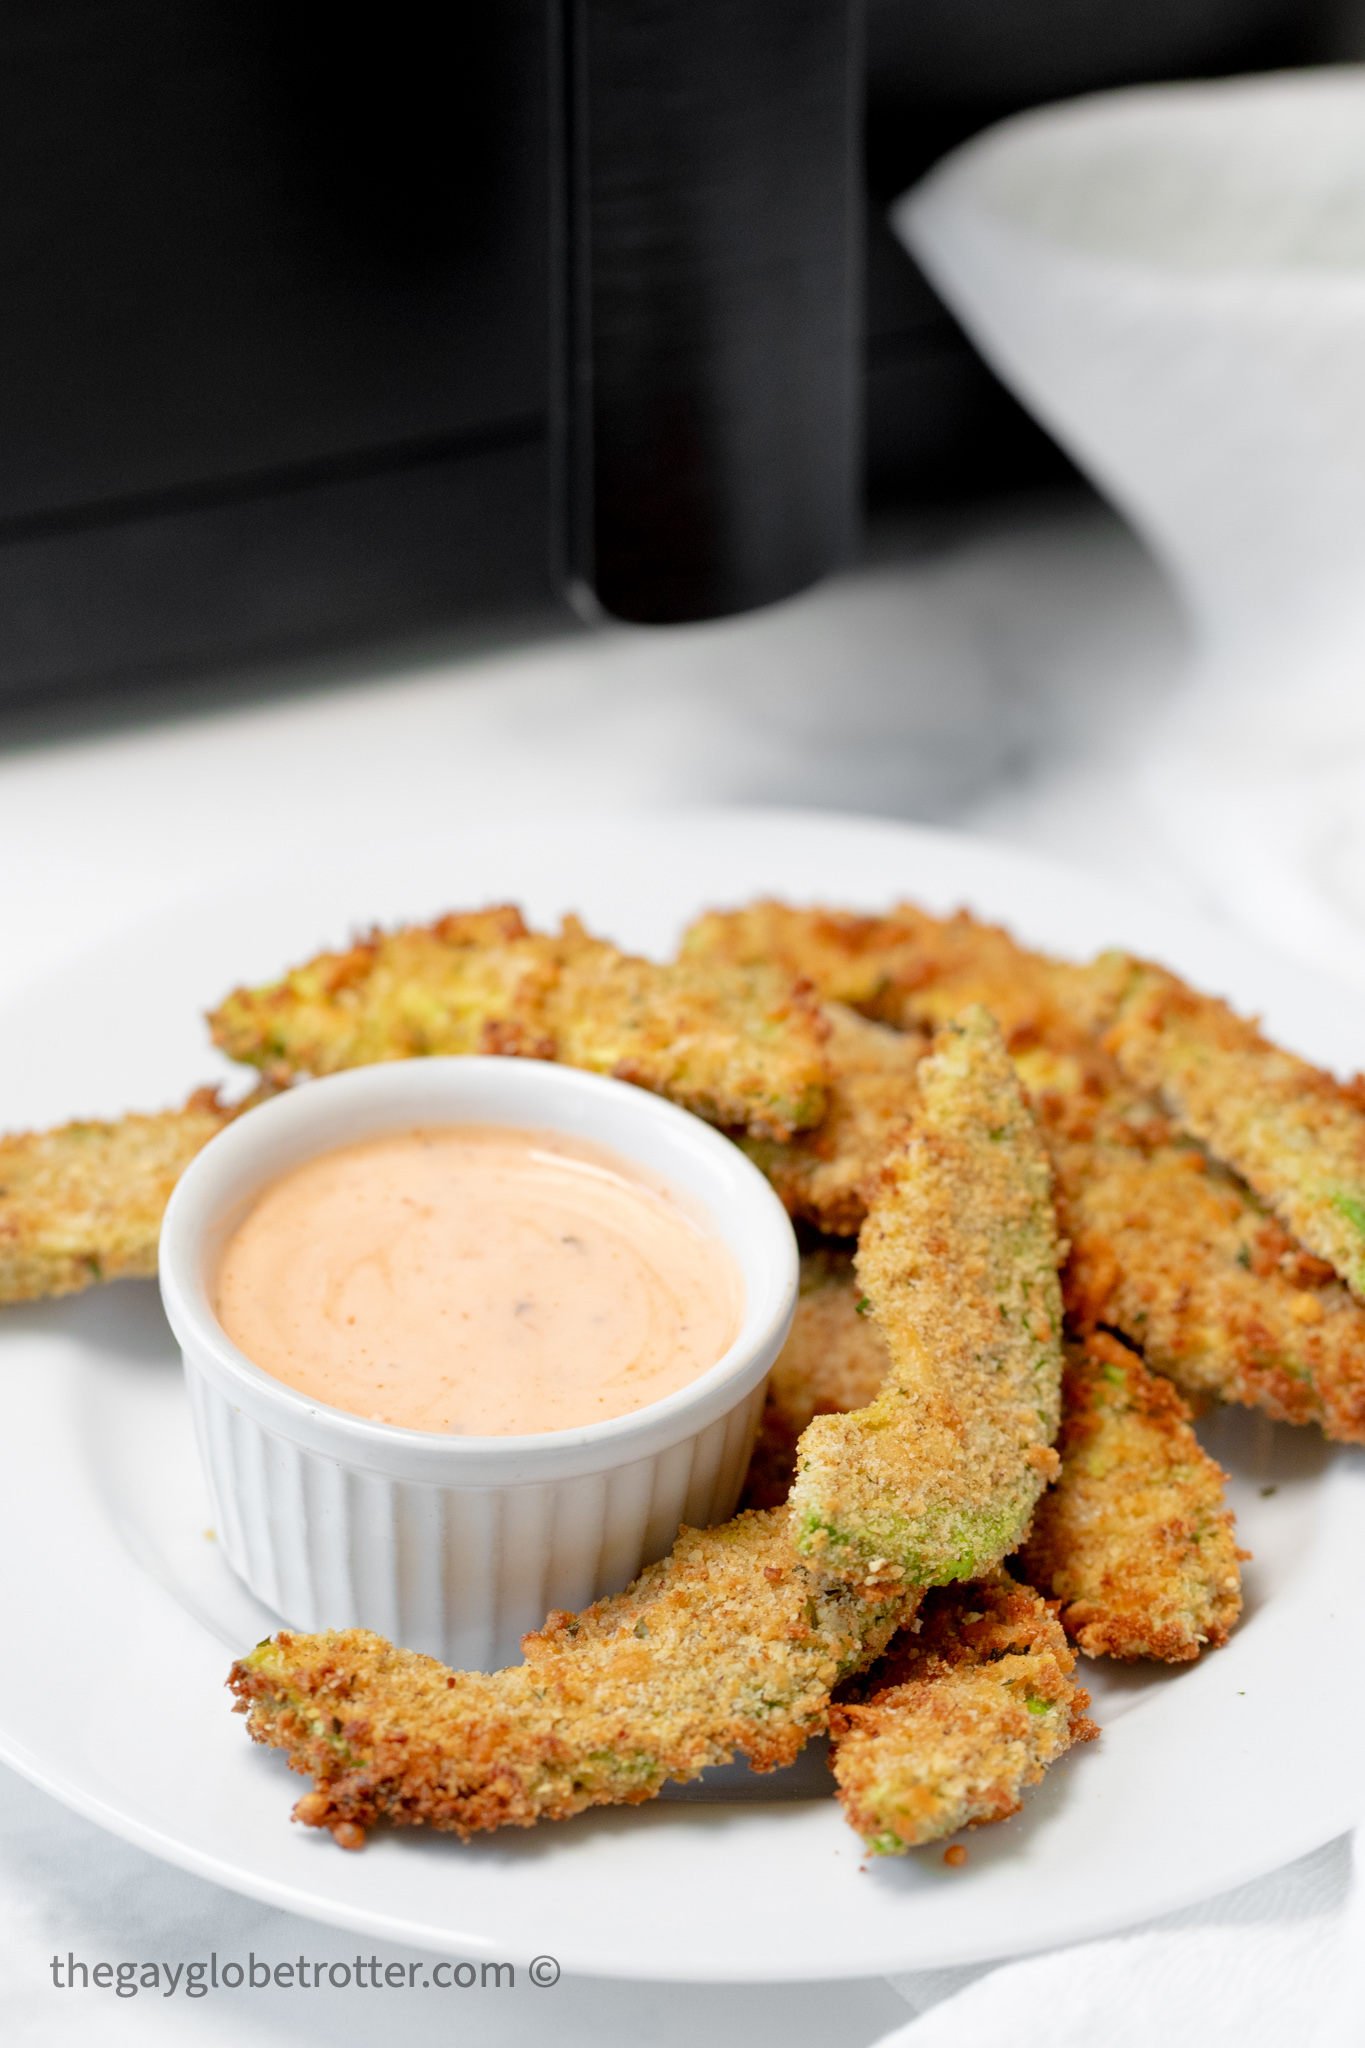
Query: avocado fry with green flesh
{"x": 937, "y": 1478}
{"x": 1295, "y": 1134}
{"x": 1134, "y": 1539}
{"x": 968, "y": 1708}
{"x": 729, "y": 1646}
{"x": 739, "y": 1046}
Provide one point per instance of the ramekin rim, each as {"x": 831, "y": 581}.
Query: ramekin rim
{"x": 617, "y": 1438}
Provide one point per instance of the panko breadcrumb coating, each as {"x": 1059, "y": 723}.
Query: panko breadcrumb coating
{"x": 1167, "y": 1246}
{"x": 968, "y": 1709}
{"x": 1294, "y": 1133}
{"x": 84, "y": 1202}
{"x": 1134, "y": 1539}
{"x": 834, "y": 1359}
{"x": 737, "y": 1045}
{"x": 475, "y": 981}
{"x": 1177, "y": 1254}
{"x": 958, "y": 1257}
{"x": 740, "y": 1046}
{"x": 824, "y": 1175}
{"x": 909, "y": 969}
{"x": 731, "y": 1645}
{"x": 849, "y": 957}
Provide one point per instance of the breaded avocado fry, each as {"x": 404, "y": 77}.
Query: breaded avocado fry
{"x": 1294, "y": 1133}
{"x": 967, "y": 1709}
{"x": 84, "y": 1202}
{"x": 1134, "y": 1538}
{"x": 475, "y": 981}
{"x": 1176, "y": 1253}
{"x": 824, "y": 1175}
{"x": 1168, "y": 1246}
{"x": 729, "y": 1646}
{"x": 910, "y": 969}
{"x": 958, "y": 1259}
{"x": 739, "y": 1046}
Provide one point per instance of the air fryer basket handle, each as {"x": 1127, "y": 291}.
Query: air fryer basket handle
{"x": 710, "y": 296}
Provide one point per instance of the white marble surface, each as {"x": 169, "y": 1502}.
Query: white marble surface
{"x": 994, "y": 669}
{"x": 988, "y": 669}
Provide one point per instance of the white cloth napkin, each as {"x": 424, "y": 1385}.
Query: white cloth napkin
{"x": 1171, "y": 278}
{"x": 1277, "y": 1962}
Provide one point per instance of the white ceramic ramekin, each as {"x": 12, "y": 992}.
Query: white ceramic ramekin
{"x": 453, "y": 1544}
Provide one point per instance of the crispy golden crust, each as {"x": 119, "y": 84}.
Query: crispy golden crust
{"x": 729, "y": 1646}
{"x": 850, "y": 958}
{"x": 472, "y": 982}
{"x": 907, "y": 968}
{"x": 1167, "y": 1247}
{"x": 958, "y": 1257}
{"x": 1176, "y": 1253}
{"x": 739, "y": 1046}
{"x": 1134, "y": 1539}
{"x": 969, "y": 1707}
{"x": 1293, "y": 1133}
{"x": 85, "y": 1202}
{"x": 824, "y": 1175}
{"x": 835, "y": 1359}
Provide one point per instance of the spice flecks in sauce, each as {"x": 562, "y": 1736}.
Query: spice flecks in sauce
{"x": 480, "y": 1280}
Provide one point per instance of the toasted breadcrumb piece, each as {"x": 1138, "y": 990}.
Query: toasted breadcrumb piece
{"x": 1294, "y": 1133}
{"x": 84, "y": 1202}
{"x": 730, "y": 1645}
{"x": 835, "y": 1359}
{"x": 958, "y": 1258}
{"x": 967, "y": 1710}
{"x": 823, "y": 1175}
{"x": 1134, "y": 1539}
{"x": 738, "y": 1046}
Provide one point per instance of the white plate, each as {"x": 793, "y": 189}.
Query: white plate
{"x": 120, "y": 1616}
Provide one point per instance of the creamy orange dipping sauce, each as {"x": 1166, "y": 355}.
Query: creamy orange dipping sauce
{"x": 479, "y": 1280}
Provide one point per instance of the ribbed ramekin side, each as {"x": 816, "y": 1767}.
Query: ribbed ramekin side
{"x": 310, "y": 1517}
{"x": 472, "y": 1535}
{"x": 461, "y": 1573}
{"x": 741, "y": 1427}
{"x": 630, "y": 1496}
{"x": 365, "y": 1539}
{"x": 232, "y": 1451}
